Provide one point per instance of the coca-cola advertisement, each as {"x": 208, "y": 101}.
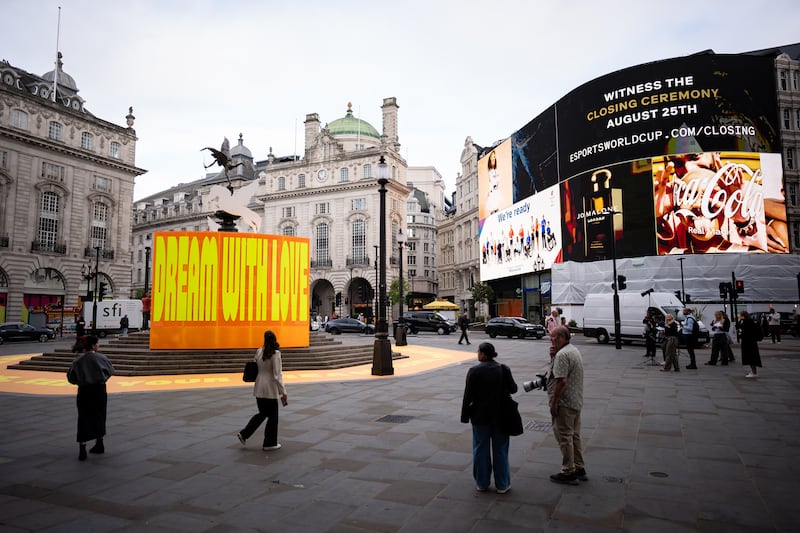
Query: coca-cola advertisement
{"x": 713, "y": 202}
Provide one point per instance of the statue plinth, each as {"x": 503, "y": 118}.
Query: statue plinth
{"x": 227, "y": 221}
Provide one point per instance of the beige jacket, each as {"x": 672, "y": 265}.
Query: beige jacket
{"x": 269, "y": 382}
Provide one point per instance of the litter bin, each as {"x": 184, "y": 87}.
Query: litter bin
{"x": 399, "y": 333}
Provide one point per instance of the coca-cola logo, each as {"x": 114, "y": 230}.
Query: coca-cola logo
{"x": 733, "y": 191}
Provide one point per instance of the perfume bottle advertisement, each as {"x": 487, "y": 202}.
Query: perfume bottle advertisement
{"x": 608, "y": 211}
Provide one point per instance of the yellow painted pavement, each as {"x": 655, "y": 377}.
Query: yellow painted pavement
{"x": 420, "y": 359}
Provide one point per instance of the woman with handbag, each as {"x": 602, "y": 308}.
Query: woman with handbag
{"x": 268, "y": 387}
{"x": 487, "y": 391}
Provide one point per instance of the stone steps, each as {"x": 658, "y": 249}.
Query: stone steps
{"x": 131, "y": 357}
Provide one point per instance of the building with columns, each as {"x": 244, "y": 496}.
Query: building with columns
{"x": 330, "y": 195}
{"x": 66, "y": 191}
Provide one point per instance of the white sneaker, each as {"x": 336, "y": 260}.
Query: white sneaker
{"x": 271, "y": 448}
{"x": 751, "y": 375}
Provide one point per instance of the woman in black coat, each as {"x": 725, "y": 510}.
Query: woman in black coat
{"x": 487, "y": 383}
{"x": 749, "y": 333}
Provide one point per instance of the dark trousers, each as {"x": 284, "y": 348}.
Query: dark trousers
{"x": 267, "y": 410}
{"x": 688, "y": 340}
{"x": 650, "y": 345}
{"x": 463, "y": 336}
{"x": 92, "y": 401}
{"x": 719, "y": 349}
{"x": 775, "y": 332}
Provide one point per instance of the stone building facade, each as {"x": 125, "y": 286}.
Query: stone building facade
{"x": 66, "y": 190}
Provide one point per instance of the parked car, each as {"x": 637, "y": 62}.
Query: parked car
{"x": 514, "y": 326}
{"x": 348, "y": 325}
{"x": 417, "y": 321}
{"x": 20, "y": 331}
{"x": 787, "y": 325}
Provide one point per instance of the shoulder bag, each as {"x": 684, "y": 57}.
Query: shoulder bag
{"x": 250, "y": 372}
{"x": 508, "y": 419}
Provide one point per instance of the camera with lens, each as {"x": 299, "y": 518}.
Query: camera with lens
{"x": 539, "y": 383}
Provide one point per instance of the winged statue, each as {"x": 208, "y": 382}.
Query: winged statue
{"x": 222, "y": 157}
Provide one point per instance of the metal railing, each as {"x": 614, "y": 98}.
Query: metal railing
{"x": 51, "y": 247}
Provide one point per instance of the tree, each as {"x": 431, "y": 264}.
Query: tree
{"x": 482, "y": 292}
{"x": 394, "y": 290}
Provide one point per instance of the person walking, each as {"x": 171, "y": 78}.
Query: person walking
{"x": 268, "y": 387}
{"x": 719, "y": 341}
{"x": 671, "y": 344}
{"x": 90, "y": 372}
{"x": 774, "y": 319}
{"x": 689, "y": 336}
{"x": 726, "y": 325}
{"x": 565, "y": 390}
{"x": 463, "y": 323}
{"x": 749, "y": 335}
{"x": 123, "y": 326}
{"x": 487, "y": 383}
{"x": 552, "y": 321}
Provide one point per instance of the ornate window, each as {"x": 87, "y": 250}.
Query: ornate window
{"x": 367, "y": 171}
{"x": 288, "y": 231}
{"x": 282, "y": 183}
{"x": 99, "y": 229}
{"x": 301, "y": 181}
{"x": 344, "y": 174}
{"x": 19, "y": 119}
{"x": 322, "y": 252}
{"x": 52, "y": 172}
{"x": 114, "y": 150}
{"x": 288, "y": 212}
{"x": 359, "y": 243}
{"x": 102, "y": 184}
{"x": 358, "y": 204}
{"x": 322, "y": 208}
{"x": 55, "y": 131}
{"x": 49, "y": 208}
{"x": 87, "y": 140}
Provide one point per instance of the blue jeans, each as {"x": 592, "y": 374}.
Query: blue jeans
{"x": 490, "y": 453}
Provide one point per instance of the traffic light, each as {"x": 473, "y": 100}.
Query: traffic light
{"x": 678, "y": 295}
{"x": 621, "y": 282}
{"x": 338, "y": 299}
{"x": 739, "y": 286}
{"x": 723, "y": 290}
{"x": 102, "y": 290}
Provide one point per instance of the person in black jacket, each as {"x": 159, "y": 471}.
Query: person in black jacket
{"x": 463, "y": 323}
{"x": 90, "y": 371}
{"x": 487, "y": 383}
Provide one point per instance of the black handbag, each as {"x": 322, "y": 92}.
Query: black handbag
{"x": 250, "y": 372}
{"x": 509, "y": 420}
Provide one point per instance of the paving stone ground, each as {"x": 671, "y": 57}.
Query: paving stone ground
{"x": 704, "y": 450}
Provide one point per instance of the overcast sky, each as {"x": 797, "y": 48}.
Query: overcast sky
{"x": 197, "y": 71}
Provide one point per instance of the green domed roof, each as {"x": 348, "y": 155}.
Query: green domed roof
{"x": 350, "y": 125}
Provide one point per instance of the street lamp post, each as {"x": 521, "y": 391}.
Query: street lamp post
{"x": 400, "y": 331}
{"x": 375, "y": 311}
{"x": 94, "y": 296}
{"x": 382, "y": 350}
{"x": 146, "y": 311}
{"x": 683, "y": 290}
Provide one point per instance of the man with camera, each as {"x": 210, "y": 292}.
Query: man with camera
{"x": 565, "y": 389}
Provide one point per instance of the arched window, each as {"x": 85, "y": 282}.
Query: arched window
{"x": 19, "y": 119}
{"x": 99, "y": 229}
{"x": 49, "y": 209}
{"x": 55, "y": 131}
{"x": 288, "y": 231}
{"x": 322, "y": 252}
{"x": 87, "y": 140}
{"x": 359, "y": 244}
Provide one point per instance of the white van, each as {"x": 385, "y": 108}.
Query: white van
{"x": 598, "y": 315}
{"x": 109, "y": 312}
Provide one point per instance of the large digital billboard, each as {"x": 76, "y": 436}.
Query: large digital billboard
{"x": 223, "y": 290}
{"x": 673, "y": 157}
